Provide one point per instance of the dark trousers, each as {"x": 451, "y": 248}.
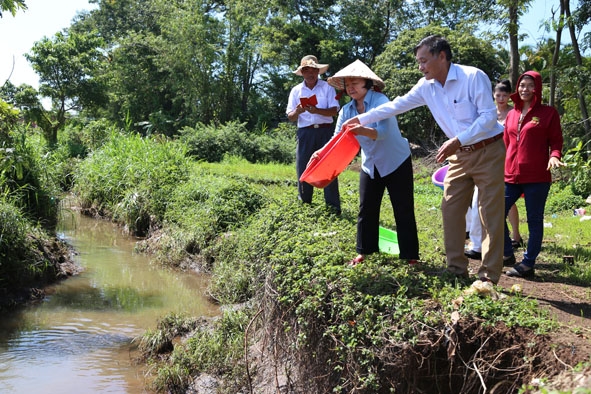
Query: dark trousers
{"x": 535, "y": 195}
{"x": 401, "y": 190}
{"x": 309, "y": 141}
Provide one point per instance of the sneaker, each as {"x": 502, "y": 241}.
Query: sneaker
{"x": 413, "y": 262}
{"x": 521, "y": 270}
{"x": 518, "y": 244}
{"x": 472, "y": 254}
{"x": 509, "y": 260}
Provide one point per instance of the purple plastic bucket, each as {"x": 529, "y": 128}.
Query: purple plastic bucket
{"x": 439, "y": 175}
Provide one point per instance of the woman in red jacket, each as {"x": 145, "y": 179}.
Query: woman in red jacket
{"x": 533, "y": 138}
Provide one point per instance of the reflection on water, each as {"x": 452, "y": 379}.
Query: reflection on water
{"x": 79, "y": 340}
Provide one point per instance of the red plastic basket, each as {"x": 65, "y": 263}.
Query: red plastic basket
{"x": 332, "y": 159}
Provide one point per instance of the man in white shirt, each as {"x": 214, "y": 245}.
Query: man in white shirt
{"x": 460, "y": 99}
{"x": 315, "y": 124}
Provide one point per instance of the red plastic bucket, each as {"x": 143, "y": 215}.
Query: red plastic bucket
{"x": 439, "y": 175}
{"x": 332, "y": 159}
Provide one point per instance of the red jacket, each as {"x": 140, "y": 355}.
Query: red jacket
{"x": 529, "y": 149}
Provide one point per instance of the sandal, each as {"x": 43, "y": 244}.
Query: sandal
{"x": 518, "y": 244}
{"x": 356, "y": 260}
{"x": 521, "y": 270}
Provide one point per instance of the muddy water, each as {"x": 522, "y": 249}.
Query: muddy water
{"x": 79, "y": 339}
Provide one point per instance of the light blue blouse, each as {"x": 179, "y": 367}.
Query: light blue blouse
{"x": 389, "y": 150}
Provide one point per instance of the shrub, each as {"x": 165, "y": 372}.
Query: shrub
{"x": 579, "y": 170}
{"x": 562, "y": 198}
{"x": 211, "y": 144}
{"x": 214, "y": 348}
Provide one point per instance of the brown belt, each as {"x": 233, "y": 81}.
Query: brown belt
{"x": 318, "y": 126}
{"x": 480, "y": 144}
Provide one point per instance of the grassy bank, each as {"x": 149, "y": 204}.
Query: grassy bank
{"x": 31, "y": 256}
{"x": 380, "y": 326}
{"x": 296, "y": 313}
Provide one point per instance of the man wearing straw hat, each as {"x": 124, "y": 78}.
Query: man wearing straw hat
{"x": 385, "y": 164}
{"x": 315, "y": 124}
{"x": 460, "y": 99}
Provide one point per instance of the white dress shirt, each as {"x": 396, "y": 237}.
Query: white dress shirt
{"x": 463, "y": 108}
{"x": 325, "y": 94}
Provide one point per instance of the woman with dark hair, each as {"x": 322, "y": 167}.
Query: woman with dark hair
{"x": 385, "y": 163}
{"x": 501, "y": 93}
{"x": 533, "y": 138}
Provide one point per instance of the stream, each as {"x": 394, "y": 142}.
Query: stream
{"x": 79, "y": 339}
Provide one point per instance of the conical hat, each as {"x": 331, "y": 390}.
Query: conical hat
{"x": 357, "y": 69}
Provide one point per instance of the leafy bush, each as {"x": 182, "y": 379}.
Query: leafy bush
{"x": 8, "y": 119}
{"x": 13, "y": 243}
{"x": 579, "y": 170}
{"x": 80, "y": 137}
{"x": 562, "y": 198}
{"x": 211, "y": 144}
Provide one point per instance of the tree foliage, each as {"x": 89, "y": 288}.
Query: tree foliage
{"x": 12, "y": 6}
{"x": 397, "y": 66}
{"x": 166, "y": 65}
{"x": 69, "y": 67}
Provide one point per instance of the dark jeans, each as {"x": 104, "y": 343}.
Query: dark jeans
{"x": 535, "y": 195}
{"x": 309, "y": 141}
{"x": 401, "y": 190}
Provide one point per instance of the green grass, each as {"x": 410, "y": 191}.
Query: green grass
{"x": 291, "y": 258}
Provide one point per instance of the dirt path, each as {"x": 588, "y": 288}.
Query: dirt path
{"x": 570, "y": 305}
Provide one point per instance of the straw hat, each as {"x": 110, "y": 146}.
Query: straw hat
{"x": 357, "y": 69}
{"x": 311, "y": 61}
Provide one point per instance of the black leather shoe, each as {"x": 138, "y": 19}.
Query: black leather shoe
{"x": 509, "y": 260}
{"x": 521, "y": 271}
{"x": 472, "y": 254}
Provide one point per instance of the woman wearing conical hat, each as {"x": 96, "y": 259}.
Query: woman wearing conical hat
{"x": 385, "y": 162}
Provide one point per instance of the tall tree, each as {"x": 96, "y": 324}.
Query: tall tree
{"x": 559, "y": 25}
{"x": 457, "y": 14}
{"x": 66, "y": 65}
{"x": 510, "y": 18}
{"x": 583, "y": 87}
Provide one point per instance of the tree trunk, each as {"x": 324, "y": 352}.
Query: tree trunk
{"x": 579, "y": 60}
{"x": 556, "y": 53}
{"x": 513, "y": 42}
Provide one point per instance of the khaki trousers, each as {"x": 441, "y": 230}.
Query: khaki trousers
{"x": 484, "y": 168}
